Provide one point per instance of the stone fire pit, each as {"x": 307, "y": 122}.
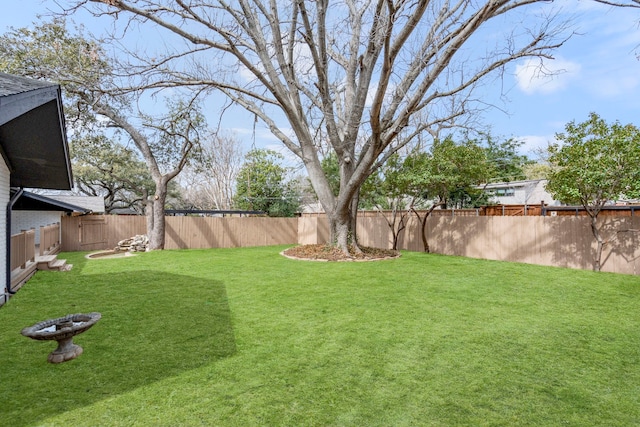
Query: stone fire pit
{"x": 62, "y": 330}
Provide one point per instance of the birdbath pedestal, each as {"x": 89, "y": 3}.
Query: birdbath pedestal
{"x": 62, "y": 330}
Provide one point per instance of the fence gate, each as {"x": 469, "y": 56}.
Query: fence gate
{"x": 92, "y": 232}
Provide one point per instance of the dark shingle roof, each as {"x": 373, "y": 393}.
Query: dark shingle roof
{"x": 12, "y": 85}
{"x": 33, "y": 134}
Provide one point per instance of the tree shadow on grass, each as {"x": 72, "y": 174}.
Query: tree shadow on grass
{"x": 154, "y": 326}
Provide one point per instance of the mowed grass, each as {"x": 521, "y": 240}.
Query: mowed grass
{"x": 246, "y": 337}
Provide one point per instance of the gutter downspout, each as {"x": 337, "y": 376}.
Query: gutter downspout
{"x": 12, "y": 202}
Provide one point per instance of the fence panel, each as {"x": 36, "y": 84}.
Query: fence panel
{"x": 23, "y": 248}
{"x": 92, "y": 232}
{"x": 70, "y": 233}
{"x": 120, "y": 227}
{"x": 49, "y": 238}
{"x": 182, "y": 232}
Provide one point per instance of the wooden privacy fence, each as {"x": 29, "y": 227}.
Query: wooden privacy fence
{"x": 563, "y": 241}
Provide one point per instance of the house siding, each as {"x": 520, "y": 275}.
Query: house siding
{"x": 24, "y": 220}
{"x": 531, "y": 192}
{"x": 4, "y": 201}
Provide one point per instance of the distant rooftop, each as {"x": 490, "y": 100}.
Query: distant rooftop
{"x": 511, "y": 183}
{"x": 93, "y": 203}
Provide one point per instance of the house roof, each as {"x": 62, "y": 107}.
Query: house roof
{"x": 95, "y": 204}
{"x": 36, "y": 202}
{"x": 32, "y": 133}
{"x": 511, "y": 184}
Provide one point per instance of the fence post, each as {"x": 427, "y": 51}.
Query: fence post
{"x": 23, "y": 247}
{"x": 43, "y": 240}
{"x": 31, "y": 244}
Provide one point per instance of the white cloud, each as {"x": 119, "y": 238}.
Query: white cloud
{"x": 545, "y": 76}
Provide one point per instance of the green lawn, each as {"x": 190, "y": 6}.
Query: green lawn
{"x": 245, "y": 337}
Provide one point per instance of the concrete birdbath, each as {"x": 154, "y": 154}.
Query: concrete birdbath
{"x": 62, "y": 330}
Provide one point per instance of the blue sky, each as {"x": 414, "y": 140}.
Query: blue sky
{"x": 599, "y": 71}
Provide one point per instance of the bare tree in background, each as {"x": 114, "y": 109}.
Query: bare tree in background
{"x": 363, "y": 77}
{"x": 210, "y": 184}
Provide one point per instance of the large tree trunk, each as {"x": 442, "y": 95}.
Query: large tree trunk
{"x": 156, "y": 223}
{"x": 353, "y": 215}
{"x": 343, "y": 217}
{"x": 149, "y": 215}
{"x": 340, "y": 224}
{"x": 341, "y": 210}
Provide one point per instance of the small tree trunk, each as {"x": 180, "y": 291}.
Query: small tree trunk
{"x": 423, "y": 233}
{"x": 599, "y": 243}
{"x": 395, "y": 230}
{"x": 392, "y": 225}
{"x": 423, "y": 225}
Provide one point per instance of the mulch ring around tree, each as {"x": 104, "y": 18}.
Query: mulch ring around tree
{"x": 323, "y": 252}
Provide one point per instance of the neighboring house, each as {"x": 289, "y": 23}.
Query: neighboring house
{"x": 34, "y": 149}
{"x": 529, "y": 192}
{"x": 35, "y": 210}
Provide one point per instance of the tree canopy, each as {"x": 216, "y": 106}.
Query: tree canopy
{"x": 506, "y": 163}
{"x": 105, "y": 168}
{"x": 263, "y": 185}
{"x": 595, "y": 163}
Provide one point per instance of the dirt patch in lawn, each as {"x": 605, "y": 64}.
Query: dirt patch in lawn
{"x": 330, "y": 253}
